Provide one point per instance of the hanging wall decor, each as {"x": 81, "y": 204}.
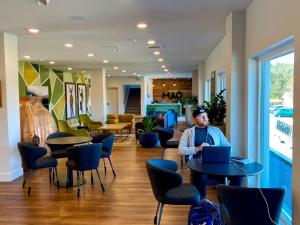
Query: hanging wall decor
{"x": 81, "y": 98}
{"x": 70, "y": 94}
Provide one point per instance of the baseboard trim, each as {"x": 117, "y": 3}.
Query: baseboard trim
{"x": 11, "y": 176}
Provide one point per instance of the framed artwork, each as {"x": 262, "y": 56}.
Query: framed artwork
{"x": 81, "y": 98}
{"x": 70, "y": 93}
{"x": 213, "y": 84}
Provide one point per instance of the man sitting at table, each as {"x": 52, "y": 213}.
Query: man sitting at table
{"x": 192, "y": 142}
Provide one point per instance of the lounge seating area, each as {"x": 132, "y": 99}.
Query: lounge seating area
{"x": 149, "y": 112}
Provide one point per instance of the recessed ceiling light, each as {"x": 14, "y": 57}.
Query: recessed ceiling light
{"x": 51, "y": 62}
{"x": 115, "y": 67}
{"x": 83, "y": 71}
{"x": 26, "y": 56}
{"x": 108, "y": 75}
{"x": 163, "y": 66}
{"x": 68, "y": 45}
{"x": 69, "y": 68}
{"x": 151, "y": 42}
{"x": 134, "y": 73}
{"x": 123, "y": 71}
{"x": 156, "y": 53}
{"x": 166, "y": 70}
{"x": 139, "y": 75}
{"x": 33, "y": 30}
{"x": 160, "y": 60}
{"x": 142, "y": 25}
{"x": 90, "y": 55}
{"x": 105, "y": 61}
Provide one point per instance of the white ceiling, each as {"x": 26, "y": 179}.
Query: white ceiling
{"x": 188, "y": 30}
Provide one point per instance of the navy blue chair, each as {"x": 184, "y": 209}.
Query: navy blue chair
{"x": 246, "y": 206}
{"x": 83, "y": 158}
{"x": 168, "y": 187}
{"x": 59, "y": 151}
{"x": 164, "y": 136}
{"x": 107, "y": 140}
{"x": 33, "y": 158}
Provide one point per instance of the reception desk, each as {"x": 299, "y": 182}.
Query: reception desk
{"x": 165, "y": 107}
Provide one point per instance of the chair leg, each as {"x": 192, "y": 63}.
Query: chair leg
{"x": 78, "y": 183}
{"x": 163, "y": 153}
{"x": 181, "y": 161}
{"x": 57, "y": 181}
{"x": 50, "y": 171}
{"x": 111, "y": 166}
{"x": 92, "y": 179}
{"x": 157, "y": 208}
{"x": 104, "y": 165}
{"x": 24, "y": 178}
{"x": 30, "y": 179}
{"x": 100, "y": 180}
{"x": 160, "y": 213}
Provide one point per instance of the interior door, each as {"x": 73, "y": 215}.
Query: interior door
{"x": 112, "y": 101}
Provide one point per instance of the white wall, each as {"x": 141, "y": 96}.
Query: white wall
{"x": 98, "y": 95}
{"x": 119, "y": 82}
{"x": 267, "y": 23}
{"x": 216, "y": 60}
{"x": 10, "y": 162}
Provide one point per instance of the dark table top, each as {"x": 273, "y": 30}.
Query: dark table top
{"x": 68, "y": 140}
{"x": 225, "y": 169}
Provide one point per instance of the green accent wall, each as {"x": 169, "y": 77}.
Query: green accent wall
{"x": 38, "y": 75}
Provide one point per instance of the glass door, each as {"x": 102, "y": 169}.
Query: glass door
{"x": 277, "y": 74}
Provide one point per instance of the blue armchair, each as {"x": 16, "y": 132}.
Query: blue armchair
{"x": 247, "y": 206}
{"x": 168, "y": 187}
{"x": 82, "y": 158}
{"x": 33, "y": 158}
{"x": 107, "y": 140}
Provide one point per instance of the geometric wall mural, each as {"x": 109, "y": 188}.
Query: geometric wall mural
{"x": 31, "y": 74}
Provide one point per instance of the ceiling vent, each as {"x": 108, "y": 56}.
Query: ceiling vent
{"x": 154, "y": 46}
{"x": 42, "y": 2}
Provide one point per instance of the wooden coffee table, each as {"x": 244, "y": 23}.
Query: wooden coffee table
{"x": 116, "y": 127}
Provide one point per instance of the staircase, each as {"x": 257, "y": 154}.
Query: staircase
{"x": 133, "y": 105}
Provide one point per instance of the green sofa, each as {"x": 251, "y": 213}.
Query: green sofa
{"x": 64, "y": 127}
{"x": 85, "y": 120}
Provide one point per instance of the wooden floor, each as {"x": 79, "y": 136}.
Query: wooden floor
{"x": 128, "y": 198}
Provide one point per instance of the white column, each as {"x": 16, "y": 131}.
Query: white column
{"x": 235, "y": 61}
{"x": 10, "y": 161}
{"x": 195, "y": 82}
{"x": 98, "y": 95}
{"x": 201, "y": 83}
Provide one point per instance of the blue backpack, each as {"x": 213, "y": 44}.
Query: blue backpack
{"x": 206, "y": 213}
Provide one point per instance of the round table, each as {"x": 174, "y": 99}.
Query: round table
{"x": 226, "y": 170}
{"x": 73, "y": 140}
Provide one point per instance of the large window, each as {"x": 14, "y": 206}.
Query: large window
{"x": 277, "y": 74}
{"x": 222, "y": 83}
{"x": 207, "y": 90}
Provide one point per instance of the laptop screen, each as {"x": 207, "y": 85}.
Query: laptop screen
{"x": 216, "y": 154}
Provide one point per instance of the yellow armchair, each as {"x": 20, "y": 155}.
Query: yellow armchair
{"x": 127, "y": 118}
{"x": 86, "y": 121}
{"x": 112, "y": 119}
{"x": 64, "y": 127}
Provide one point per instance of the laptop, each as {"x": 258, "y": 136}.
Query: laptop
{"x": 216, "y": 154}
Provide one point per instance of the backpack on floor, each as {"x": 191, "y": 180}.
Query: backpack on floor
{"x": 206, "y": 213}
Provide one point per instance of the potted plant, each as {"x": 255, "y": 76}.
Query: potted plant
{"x": 147, "y": 137}
{"x": 216, "y": 110}
{"x": 189, "y": 103}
